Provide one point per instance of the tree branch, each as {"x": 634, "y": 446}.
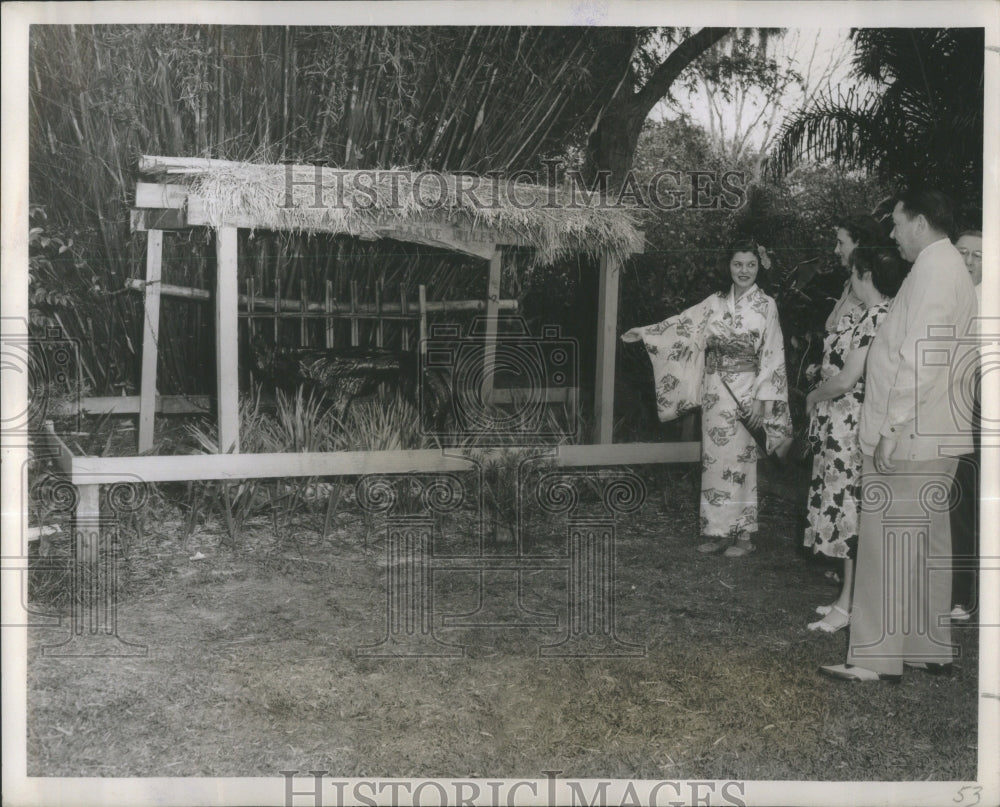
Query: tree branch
{"x": 667, "y": 72}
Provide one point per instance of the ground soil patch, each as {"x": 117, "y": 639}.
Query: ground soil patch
{"x": 252, "y": 666}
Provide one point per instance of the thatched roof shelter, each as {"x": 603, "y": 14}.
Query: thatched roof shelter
{"x": 467, "y": 213}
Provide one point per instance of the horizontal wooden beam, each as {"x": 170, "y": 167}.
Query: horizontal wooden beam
{"x": 108, "y": 470}
{"x": 443, "y": 236}
{"x": 628, "y": 454}
{"x": 129, "y": 405}
{"x": 155, "y": 164}
{"x": 157, "y": 219}
{"x": 104, "y": 470}
{"x": 521, "y": 395}
{"x": 433, "y": 306}
{"x": 159, "y": 195}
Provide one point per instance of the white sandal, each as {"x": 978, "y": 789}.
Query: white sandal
{"x": 826, "y": 627}
{"x": 713, "y": 545}
{"x": 740, "y": 549}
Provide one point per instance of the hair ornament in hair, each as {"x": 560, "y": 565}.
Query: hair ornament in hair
{"x": 765, "y": 259}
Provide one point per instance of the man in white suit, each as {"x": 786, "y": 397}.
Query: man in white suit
{"x": 912, "y": 428}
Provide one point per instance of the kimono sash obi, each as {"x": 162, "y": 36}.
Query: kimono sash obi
{"x": 724, "y": 361}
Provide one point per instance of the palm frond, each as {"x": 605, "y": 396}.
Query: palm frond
{"x": 922, "y": 122}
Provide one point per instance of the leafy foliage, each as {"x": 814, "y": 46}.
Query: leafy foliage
{"x": 67, "y": 297}
{"x": 921, "y": 121}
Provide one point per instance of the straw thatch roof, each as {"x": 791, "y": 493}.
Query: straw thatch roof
{"x": 429, "y": 207}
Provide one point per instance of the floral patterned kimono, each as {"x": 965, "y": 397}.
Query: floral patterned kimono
{"x": 723, "y": 342}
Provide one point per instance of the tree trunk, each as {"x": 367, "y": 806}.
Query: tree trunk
{"x": 613, "y": 139}
{"x": 612, "y": 142}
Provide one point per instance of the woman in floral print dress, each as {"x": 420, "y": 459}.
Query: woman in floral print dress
{"x": 726, "y": 355}
{"x": 835, "y": 406}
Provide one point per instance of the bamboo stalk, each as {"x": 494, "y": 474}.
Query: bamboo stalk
{"x": 355, "y": 329}
{"x": 304, "y": 307}
{"x": 379, "y": 329}
{"x": 328, "y": 310}
{"x": 403, "y": 309}
{"x": 403, "y": 86}
{"x": 220, "y": 89}
{"x": 422, "y": 302}
{"x": 276, "y": 303}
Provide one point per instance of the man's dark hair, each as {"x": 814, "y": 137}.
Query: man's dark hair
{"x": 887, "y": 268}
{"x": 933, "y": 205}
{"x": 882, "y": 213}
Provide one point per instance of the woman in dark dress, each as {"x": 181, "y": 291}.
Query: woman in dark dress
{"x": 835, "y": 406}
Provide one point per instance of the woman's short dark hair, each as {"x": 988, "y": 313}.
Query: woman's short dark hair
{"x": 864, "y": 231}
{"x": 726, "y": 257}
{"x": 887, "y": 268}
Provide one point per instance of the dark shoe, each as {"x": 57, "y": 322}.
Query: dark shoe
{"x": 930, "y": 667}
{"x": 848, "y": 672}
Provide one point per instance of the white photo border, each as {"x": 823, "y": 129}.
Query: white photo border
{"x": 17, "y": 17}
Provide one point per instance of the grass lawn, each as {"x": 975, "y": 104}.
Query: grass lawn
{"x": 252, "y": 665}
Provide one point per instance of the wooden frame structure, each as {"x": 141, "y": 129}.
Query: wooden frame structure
{"x": 170, "y": 206}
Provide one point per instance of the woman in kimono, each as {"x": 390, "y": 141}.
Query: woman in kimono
{"x": 726, "y": 355}
{"x": 835, "y": 409}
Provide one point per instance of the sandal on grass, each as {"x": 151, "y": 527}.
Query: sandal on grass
{"x": 848, "y": 672}
{"x": 713, "y": 545}
{"x": 930, "y": 667}
{"x": 740, "y": 549}
{"x": 836, "y": 619}
{"x": 823, "y": 610}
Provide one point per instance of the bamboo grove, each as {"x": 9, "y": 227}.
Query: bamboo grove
{"x": 478, "y": 99}
{"x": 473, "y": 99}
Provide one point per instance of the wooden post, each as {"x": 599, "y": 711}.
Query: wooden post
{"x": 87, "y": 517}
{"x": 250, "y": 320}
{"x": 404, "y": 328}
{"x": 277, "y": 301}
{"x": 150, "y": 338}
{"x": 85, "y": 591}
{"x": 607, "y": 326}
{"x": 226, "y": 340}
{"x": 492, "y": 312}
